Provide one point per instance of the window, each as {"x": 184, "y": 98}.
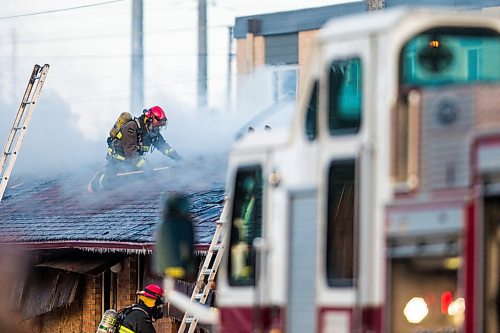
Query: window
{"x": 345, "y": 97}
{"x": 340, "y": 229}
{"x": 312, "y": 114}
{"x": 284, "y": 81}
{"x": 109, "y": 290}
{"x": 282, "y": 53}
{"x": 451, "y": 56}
{"x": 246, "y": 226}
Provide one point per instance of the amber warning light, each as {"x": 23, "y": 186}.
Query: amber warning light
{"x": 434, "y": 43}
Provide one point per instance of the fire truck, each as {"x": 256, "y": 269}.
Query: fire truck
{"x": 378, "y": 210}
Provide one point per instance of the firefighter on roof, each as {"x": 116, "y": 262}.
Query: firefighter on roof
{"x": 131, "y": 138}
{"x": 139, "y": 318}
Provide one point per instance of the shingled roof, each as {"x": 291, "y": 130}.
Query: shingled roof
{"x": 58, "y": 212}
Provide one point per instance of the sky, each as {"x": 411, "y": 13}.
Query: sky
{"x": 88, "y": 84}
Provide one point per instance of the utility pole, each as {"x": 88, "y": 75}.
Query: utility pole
{"x": 229, "y": 69}
{"x": 137, "y": 70}
{"x": 374, "y": 4}
{"x": 202, "y": 53}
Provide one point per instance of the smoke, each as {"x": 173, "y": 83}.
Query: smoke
{"x": 56, "y": 141}
{"x": 52, "y": 142}
{"x": 211, "y": 130}
{"x": 200, "y": 131}
{"x": 61, "y": 138}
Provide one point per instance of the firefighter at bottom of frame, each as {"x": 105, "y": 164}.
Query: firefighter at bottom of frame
{"x": 139, "y": 318}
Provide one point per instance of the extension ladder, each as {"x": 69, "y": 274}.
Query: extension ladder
{"x": 16, "y": 136}
{"x": 206, "y": 276}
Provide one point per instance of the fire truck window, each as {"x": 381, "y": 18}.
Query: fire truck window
{"x": 345, "y": 97}
{"x": 246, "y": 225}
{"x": 340, "y": 229}
{"x": 312, "y": 114}
{"x": 451, "y": 56}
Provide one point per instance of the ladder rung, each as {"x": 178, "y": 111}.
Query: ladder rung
{"x": 207, "y": 271}
{"x": 18, "y": 128}
{"x": 216, "y": 247}
{"x": 29, "y": 102}
{"x": 189, "y": 320}
{"x": 9, "y": 153}
{"x": 198, "y": 296}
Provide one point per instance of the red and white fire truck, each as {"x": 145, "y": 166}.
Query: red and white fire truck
{"x": 379, "y": 211}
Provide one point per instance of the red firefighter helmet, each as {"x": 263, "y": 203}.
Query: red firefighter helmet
{"x": 157, "y": 115}
{"x": 152, "y": 291}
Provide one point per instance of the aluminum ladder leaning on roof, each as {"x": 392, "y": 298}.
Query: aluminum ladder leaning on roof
{"x": 206, "y": 277}
{"x": 16, "y": 136}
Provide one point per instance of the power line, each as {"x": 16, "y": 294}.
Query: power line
{"x": 60, "y": 10}
{"x": 104, "y": 36}
{"x": 175, "y": 3}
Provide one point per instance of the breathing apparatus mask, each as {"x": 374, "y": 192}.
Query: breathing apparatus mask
{"x": 155, "y": 306}
{"x": 157, "y": 311}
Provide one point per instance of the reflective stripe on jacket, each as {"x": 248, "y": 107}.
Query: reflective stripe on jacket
{"x": 123, "y": 329}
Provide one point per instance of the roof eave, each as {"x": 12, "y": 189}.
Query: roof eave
{"x": 95, "y": 246}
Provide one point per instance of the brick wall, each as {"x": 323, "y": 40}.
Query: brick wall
{"x": 166, "y": 325}
{"x": 91, "y": 304}
{"x": 127, "y": 282}
{"x": 65, "y": 319}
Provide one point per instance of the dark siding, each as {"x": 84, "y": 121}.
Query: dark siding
{"x": 282, "y": 49}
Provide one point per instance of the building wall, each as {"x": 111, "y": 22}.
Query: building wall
{"x": 305, "y": 47}
{"x": 127, "y": 282}
{"x": 91, "y": 304}
{"x": 250, "y": 53}
{"x": 84, "y": 314}
{"x": 65, "y": 319}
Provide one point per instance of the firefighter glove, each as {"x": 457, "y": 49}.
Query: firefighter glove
{"x": 140, "y": 162}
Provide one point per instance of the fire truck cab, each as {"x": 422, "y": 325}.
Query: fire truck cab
{"x": 379, "y": 210}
